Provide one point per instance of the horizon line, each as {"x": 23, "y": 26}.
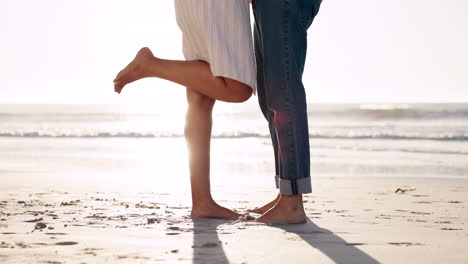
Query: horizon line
{"x": 329, "y": 102}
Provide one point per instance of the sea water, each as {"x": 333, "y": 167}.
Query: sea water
{"x": 144, "y": 146}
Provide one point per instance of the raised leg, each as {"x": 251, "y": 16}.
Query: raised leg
{"x": 194, "y": 74}
{"x": 198, "y": 137}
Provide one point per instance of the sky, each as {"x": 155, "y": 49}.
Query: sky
{"x": 55, "y": 51}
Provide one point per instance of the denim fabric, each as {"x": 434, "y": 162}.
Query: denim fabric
{"x": 280, "y": 36}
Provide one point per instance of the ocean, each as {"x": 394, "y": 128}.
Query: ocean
{"x": 143, "y": 146}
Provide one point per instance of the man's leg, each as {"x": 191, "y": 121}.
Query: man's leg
{"x": 283, "y": 27}
{"x": 267, "y": 113}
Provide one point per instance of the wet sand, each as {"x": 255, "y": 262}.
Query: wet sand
{"x": 366, "y": 220}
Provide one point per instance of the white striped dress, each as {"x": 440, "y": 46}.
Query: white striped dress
{"x": 219, "y": 32}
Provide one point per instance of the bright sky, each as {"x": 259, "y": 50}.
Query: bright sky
{"x": 54, "y": 51}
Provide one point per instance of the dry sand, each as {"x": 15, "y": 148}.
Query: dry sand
{"x": 350, "y": 221}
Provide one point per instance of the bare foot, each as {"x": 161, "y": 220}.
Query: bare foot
{"x": 266, "y": 207}
{"x": 135, "y": 70}
{"x": 213, "y": 210}
{"x": 288, "y": 210}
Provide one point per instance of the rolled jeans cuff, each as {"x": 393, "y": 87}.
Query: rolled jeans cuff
{"x": 293, "y": 187}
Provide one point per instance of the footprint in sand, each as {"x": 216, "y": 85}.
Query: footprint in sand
{"x": 22, "y": 245}
{"x": 34, "y": 220}
{"x": 5, "y": 245}
{"x": 56, "y": 234}
{"x": 40, "y": 226}
{"x": 207, "y": 245}
{"x": 419, "y": 213}
{"x": 450, "y": 229}
{"x": 91, "y": 251}
{"x": 39, "y": 244}
{"x": 66, "y": 243}
{"x": 443, "y": 222}
{"x": 405, "y": 244}
{"x": 355, "y": 244}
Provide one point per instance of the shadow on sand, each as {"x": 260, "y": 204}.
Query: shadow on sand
{"x": 207, "y": 248}
{"x": 330, "y": 244}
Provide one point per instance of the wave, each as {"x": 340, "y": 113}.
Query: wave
{"x": 395, "y": 114}
{"x": 83, "y": 113}
{"x": 397, "y": 137}
{"x": 384, "y": 107}
{"x": 382, "y": 136}
{"x": 418, "y": 112}
{"x": 396, "y": 148}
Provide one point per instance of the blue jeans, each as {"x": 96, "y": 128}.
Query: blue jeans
{"x": 280, "y": 48}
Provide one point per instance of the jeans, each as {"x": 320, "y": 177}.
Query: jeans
{"x": 280, "y": 37}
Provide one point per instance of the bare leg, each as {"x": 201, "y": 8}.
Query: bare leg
{"x": 198, "y": 136}
{"x": 288, "y": 210}
{"x": 194, "y": 74}
{"x": 266, "y": 207}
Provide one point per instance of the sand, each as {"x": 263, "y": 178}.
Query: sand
{"x": 349, "y": 221}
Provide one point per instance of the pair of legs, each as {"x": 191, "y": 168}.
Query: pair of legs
{"x": 198, "y": 127}
{"x": 201, "y": 100}
{"x": 204, "y": 89}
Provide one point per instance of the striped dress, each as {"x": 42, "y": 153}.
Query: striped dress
{"x": 219, "y": 32}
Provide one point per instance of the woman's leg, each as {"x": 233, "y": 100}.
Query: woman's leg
{"x": 198, "y": 135}
{"x": 194, "y": 74}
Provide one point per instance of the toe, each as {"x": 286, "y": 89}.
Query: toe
{"x": 118, "y": 87}
{"x": 119, "y": 76}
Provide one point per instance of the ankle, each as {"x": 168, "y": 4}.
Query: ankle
{"x": 205, "y": 202}
{"x": 291, "y": 202}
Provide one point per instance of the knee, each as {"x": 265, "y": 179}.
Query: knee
{"x": 243, "y": 95}
{"x": 240, "y": 92}
{"x": 199, "y": 101}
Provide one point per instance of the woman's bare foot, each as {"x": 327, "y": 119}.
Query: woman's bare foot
{"x": 137, "y": 69}
{"x": 213, "y": 210}
{"x": 266, "y": 207}
{"x": 288, "y": 210}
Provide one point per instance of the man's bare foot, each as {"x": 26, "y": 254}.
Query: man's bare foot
{"x": 137, "y": 69}
{"x": 288, "y": 210}
{"x": 213, "y": 210}
{"x": 266, "y": 207}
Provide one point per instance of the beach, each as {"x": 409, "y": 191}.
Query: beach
{"x": 94, "y": 159}
{"x": 349, "y": 221}
{"x": 94, "y": 184}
